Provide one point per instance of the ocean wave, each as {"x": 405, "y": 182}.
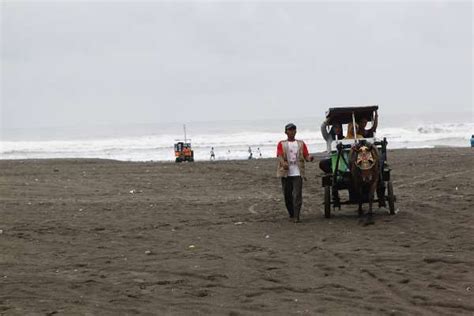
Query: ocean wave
{"x": 231, "y": 145}
{"x": 444, "y": 128}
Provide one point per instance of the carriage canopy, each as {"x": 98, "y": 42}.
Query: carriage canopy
{"x": 343, "y": 115}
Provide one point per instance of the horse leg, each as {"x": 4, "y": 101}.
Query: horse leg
{"x": 370, "y": 220}
{"x": 369, "y": 215}
{"x": 360, "y": 211}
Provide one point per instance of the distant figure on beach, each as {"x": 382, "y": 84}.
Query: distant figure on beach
{"x": 292, "y": 155}
{"x": 213, "y": 156}
{"x": 259, "y": 152}
{"x": 250, "y": 153}
{"x": 228, "y": 154}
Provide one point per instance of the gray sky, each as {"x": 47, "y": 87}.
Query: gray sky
{"x": 67, "y": 63}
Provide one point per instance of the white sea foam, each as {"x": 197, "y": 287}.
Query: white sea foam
{"x": 228, "y": 144}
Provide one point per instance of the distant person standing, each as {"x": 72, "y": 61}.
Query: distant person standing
{"x": 292, "y": 155}
{"x": 250, "y": 153}
{"x": 259, "y": 152}
{"x": 213, "y": 155}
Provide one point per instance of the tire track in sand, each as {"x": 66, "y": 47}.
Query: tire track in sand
{"x": 385, "y": 287}
{"x": 251, "y": 208}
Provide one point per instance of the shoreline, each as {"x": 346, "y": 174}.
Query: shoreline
{"x": 315, "y": 154}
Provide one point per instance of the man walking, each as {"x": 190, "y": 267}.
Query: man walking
{"x": 292, "y": 155}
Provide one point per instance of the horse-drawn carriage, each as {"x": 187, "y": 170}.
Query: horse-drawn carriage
{"x": 353, "y": 161}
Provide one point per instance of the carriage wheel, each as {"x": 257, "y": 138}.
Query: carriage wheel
{"x": 327, "y": 202}
{"x": 391, "y": 198}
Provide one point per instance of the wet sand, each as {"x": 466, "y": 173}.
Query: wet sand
{"x": 98, "y": 237}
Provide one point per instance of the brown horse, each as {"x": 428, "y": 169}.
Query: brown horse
{"x": 364, "y": 167}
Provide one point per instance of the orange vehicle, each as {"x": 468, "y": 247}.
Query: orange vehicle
{"x": 183, "y": 150}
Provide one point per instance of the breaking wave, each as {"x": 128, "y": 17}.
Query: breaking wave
{"x": 227, "y": 144}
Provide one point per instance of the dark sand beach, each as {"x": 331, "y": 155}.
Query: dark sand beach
{"x": 98, "y": 237}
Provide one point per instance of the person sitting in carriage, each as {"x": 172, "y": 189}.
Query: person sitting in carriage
{"x": 368, "y": 133}
{"x": 361, "y": 131}
{"x": 334, "y": 133}
{"x": 350, "y": 131}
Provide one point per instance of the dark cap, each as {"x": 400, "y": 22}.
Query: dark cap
{"x": 290, "y": 126}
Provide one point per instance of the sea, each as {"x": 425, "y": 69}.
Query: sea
{"x": 231, "y": 139}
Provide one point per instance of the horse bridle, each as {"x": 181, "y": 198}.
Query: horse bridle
{"x": 365, "y": 159}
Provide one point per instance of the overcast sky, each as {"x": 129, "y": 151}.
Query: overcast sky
{"x": 66, "y": 63}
